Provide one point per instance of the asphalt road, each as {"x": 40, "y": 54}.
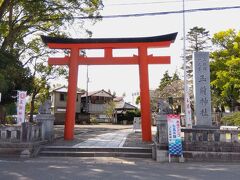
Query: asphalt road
{"x": 44, "y": 168}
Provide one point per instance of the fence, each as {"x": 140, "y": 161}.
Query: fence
{"x": 26, "y": 132}
{"x": 211, "y": 140}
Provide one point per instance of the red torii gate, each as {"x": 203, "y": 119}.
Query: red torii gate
{"x": 108, "y": 44}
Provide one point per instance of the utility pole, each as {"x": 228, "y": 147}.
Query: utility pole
{"x": 188, "y": 113}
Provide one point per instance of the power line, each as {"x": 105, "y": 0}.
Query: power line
{"x": 159, "y": 13}
{"x": 152, "y": 2}
{"x": 144, "y": 3}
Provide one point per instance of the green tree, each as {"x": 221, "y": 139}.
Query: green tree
{"x": 23, "y": 21}
{"x": 110, "y": 110}
{"x": 13, "y": 77}
{"x": 26, "y": 18}
{"x": 175, "y": 77}
{"x": 197, "y": 40}
{"x": 138, "y": 100}
{"x": 164, "y": 81}
{"x": 167, "y": 79}
{"x": 130, "y": 114}
{"x": 225, "y": 71}
{"x": 232, "y": 119}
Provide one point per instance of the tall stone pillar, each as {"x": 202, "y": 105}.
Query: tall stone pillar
{"x": 202, "y": 95}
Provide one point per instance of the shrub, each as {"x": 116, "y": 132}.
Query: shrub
{"x": 93, "y": 120}
{"x": 11, "y": 120}
{"x": 129, "y": 116}
{"x": 232, "y": 119}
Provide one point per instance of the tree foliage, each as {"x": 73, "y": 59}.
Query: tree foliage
{"x": 40, "y": 88}
{"x": 167, "y": 79}
{"x": 164, "y": 81}
{"x": 174, "y": 89}
{"x": 138, "y": 100}
{"x": 173, "y": 93}
{"x": 21, "y": 24}
{"x": 129, "y": 115}
{"x": 13, "y": 76}
{"x": 170, "y": 87}
{"x": 225, "y": 71}
{"x": 232, "y": 119}
{"x": 22, "y": 18}
{"x": 110, "y": 109}
{"x": 197, "y": 40}
{"x": 160, "y": 92}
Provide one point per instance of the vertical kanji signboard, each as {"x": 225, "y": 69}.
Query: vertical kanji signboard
{"x": 21, "y": 95}
{"x": 202, "y": 95}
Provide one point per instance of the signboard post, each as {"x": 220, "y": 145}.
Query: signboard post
{"x": 21, "y": 95}
{"x": 174, "y": 136}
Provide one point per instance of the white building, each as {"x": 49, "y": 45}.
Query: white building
{"x": 59, "y": 103}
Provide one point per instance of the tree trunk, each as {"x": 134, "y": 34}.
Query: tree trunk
{"x": 2, "y": 114}
{"x": 3, "y": 8}
{"x": 222, "y": 108}
{"x": 32, "y": 107}
{"x": 8, "y": 40}
{"x": 233, "y": 105}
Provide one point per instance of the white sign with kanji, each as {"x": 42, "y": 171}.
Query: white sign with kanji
{"x": 188, "y": 111}
{"x": 21, "y": 106}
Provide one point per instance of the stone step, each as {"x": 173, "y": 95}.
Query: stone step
{"x": 94, "y": 154}
{"x": 134, "y": 152}
{"x": 98, "y": 149}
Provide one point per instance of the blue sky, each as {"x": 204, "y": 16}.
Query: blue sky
{"x": 125, "y": 79}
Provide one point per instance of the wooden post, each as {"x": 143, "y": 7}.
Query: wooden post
{"x": 144, "y": 94}
{"x": 71, "y": 95}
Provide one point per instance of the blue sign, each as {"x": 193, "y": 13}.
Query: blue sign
{"x": 174, "y": 135}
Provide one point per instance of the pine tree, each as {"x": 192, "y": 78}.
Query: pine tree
{"x": 175, "y": 77}
{"x": 197, "y": 40}
{"x": 165, "y": 81}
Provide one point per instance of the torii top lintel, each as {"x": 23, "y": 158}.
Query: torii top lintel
{"x": 108, "y": 44}
{"x": 65, "y": 43}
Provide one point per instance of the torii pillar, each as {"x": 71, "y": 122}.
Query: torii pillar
{"x": 108, "y": 44}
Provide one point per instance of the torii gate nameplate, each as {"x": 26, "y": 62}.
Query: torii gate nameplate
{"x": 108, "y": 44}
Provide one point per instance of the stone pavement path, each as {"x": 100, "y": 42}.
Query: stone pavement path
{"x": 102, "y": 135}
{"x": 113, "y": 139}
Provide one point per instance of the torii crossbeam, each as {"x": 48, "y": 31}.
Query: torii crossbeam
{"x": 108, "y": 44}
